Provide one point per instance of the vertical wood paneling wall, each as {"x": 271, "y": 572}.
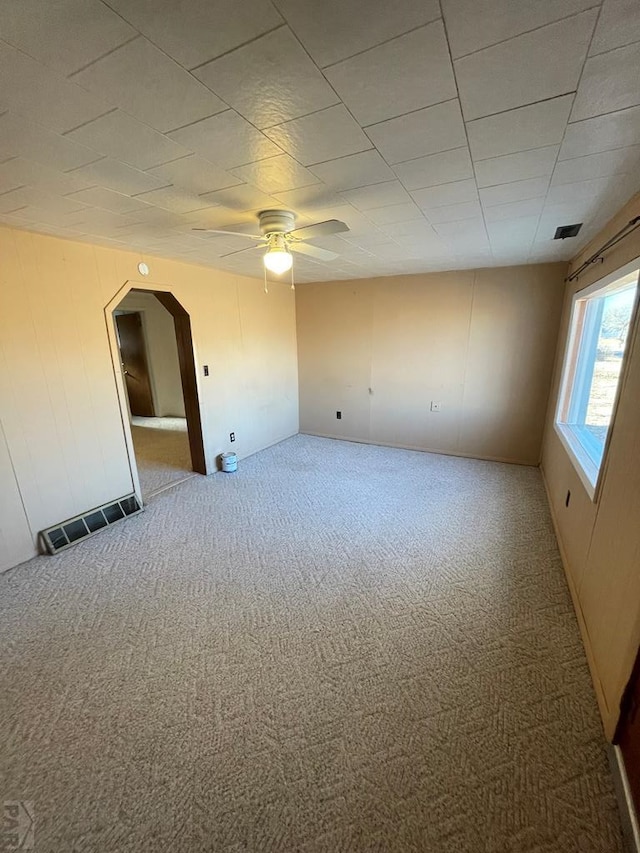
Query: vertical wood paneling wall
{"x": 16, "y": 543}
{"x": 601, "y": 541}
{"x": 480, "y": 342}
{"x": 58, "y": 401}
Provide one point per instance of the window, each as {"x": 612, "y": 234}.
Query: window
{"x": 600, "y": 320}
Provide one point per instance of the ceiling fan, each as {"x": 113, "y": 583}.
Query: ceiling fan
{"x": 280, "y": 238}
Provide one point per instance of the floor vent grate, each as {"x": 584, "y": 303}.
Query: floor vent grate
{"x": 80, "y": 527}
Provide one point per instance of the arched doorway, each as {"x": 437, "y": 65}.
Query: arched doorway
{"x": 152, "y": 344}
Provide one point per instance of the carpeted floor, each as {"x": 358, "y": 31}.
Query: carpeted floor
{"x": 162, "y": 452}
{"x": 340, "y": 648}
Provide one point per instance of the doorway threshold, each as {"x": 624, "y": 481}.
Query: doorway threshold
{"x": 158, "y": 491}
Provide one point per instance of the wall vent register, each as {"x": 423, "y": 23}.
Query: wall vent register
{"x": 73, "y": 530}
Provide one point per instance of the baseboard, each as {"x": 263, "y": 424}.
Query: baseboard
{"x": 608, "y": 722}
{"x": 265, "y": 446}
{"x": 22, "y": 560}
{"x": 628, "y": 814}
{"x": 505, "y": 461}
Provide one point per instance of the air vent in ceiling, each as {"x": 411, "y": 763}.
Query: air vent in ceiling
{"x": 73, "y": 530}
{"x": 564, "y": 231}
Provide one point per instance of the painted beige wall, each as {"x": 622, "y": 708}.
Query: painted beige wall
{"x": 481, "y": 342}
{"x": 162, "y": 350}
{"x": 600, "y": 541}
{"x": 59, "y": 382}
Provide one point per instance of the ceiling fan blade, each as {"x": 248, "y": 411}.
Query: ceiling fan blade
{"x": 238, "y": 251}
{"x": 319, "y": 229}
{"x": 313, "y": 252}
{"x": 228, "y": 233}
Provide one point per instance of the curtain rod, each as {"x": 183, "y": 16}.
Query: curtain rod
{"x": 631, "y": 225}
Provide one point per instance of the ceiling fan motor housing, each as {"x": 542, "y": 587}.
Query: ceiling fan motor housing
{"x": 277, "y": 221}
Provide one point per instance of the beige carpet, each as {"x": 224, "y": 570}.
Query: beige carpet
{"x": 340, "y": 648}
{"x": 162, "y": 452}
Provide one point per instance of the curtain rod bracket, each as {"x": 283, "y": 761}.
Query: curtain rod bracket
{"x": 598, "y": 256}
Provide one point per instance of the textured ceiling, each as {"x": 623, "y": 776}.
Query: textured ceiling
{"x": 445, "y": 134}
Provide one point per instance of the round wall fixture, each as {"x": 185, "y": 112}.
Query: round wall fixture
{"x": 143, "y": 269}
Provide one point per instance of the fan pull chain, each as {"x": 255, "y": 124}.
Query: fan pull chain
{"x": 266, "y": 289}
{"x": 293, "y": 285}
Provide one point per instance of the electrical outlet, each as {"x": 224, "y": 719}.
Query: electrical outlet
{"x": 232, "y": 436}
{"x": 339, "y": 415}
{"x": 436, "y": 406}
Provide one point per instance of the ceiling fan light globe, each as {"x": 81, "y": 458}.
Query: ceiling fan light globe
{"x": 278, "y": 260}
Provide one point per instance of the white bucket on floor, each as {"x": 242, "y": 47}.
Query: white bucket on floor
{"x": 229, "y": 462}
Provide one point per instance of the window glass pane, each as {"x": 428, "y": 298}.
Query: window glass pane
{"x": 612, "y": 337}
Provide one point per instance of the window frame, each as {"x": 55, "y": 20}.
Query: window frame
{"x": 588, "y": 470}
